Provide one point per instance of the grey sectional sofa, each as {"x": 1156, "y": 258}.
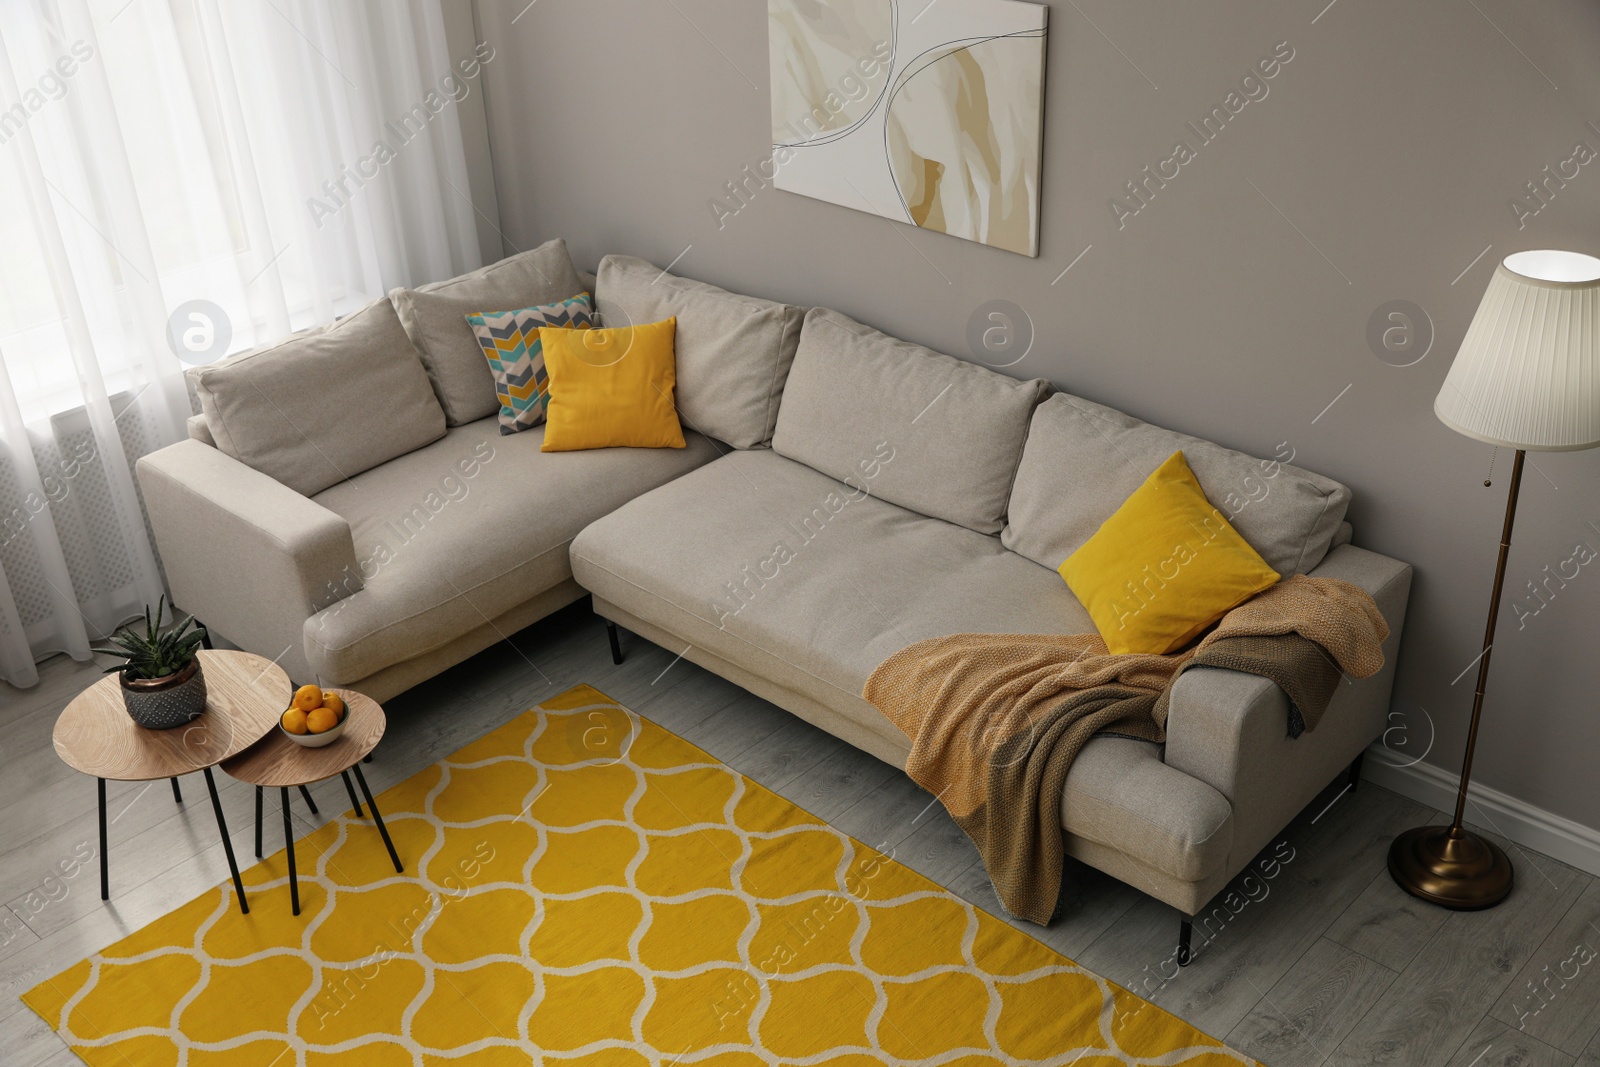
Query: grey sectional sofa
{"x": 843, "y": 495}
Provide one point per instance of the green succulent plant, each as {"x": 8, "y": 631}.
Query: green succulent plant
{"x": 154, "y": 654}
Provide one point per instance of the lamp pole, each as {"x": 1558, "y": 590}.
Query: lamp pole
{"x": 1488, "y": 639}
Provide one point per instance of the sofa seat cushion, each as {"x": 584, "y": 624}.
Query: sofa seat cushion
{"x": 773, "y": 566}
{"x": 457, "y": 533}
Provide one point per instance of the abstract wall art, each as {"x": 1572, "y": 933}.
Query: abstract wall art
{"x": 929, "y": 112}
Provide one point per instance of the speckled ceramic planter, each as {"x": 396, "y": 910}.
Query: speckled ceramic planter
{"x": 163, "y": 703}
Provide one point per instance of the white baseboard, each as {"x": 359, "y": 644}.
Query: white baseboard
{"x": 1532, "y": 827}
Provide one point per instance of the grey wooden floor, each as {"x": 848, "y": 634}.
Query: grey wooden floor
{"x": 1327, "y": 963}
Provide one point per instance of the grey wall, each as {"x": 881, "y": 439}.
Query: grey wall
{"x": 1391, "y": 145}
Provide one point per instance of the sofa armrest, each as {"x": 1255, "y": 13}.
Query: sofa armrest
{"x": 246, "y": 555}
{"x": 1230, "y": 729}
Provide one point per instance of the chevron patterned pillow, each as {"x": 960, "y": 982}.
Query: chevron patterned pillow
{"x": 510, "y": 341}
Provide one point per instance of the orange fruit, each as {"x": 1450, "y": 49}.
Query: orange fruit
{"x": 321, "y": 720}
{"x": 332, "y": 702}
{"x": 308, "y": 698}
{"x": 294, "y": 720}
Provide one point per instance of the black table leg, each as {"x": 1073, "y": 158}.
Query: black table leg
{"x": 105, "y": 866}
{"x": 312, "y": 804}
{"x": 227, "y": 844}
{"x": 377, "y": 818}
{"x": 348, "y": 788}
{"x": 288, "y": 844}
{"x": 258, "y": 822}
{"x": 177, "y": 794}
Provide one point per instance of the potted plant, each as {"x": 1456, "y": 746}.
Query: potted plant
{"x": 162, "y": 686}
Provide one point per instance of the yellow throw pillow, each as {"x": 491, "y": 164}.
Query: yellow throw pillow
{"x": 611, "y": 388}
{"x": 1164, "y": 567}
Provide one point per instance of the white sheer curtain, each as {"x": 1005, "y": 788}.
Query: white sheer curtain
{"x": 243, "y": 168}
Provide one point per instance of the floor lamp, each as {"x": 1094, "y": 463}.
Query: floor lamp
{"x": 1527, "y": 377}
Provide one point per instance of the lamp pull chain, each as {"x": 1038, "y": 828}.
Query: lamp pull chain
{"x": 1487, "y": 482}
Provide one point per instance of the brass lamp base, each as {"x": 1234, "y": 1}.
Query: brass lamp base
{"x": 1450, "y": 867}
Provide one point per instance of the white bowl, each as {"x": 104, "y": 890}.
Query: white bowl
{"x": 327, "y": 737}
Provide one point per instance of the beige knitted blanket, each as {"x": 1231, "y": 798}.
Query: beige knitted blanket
{"x": 996, "y": 720}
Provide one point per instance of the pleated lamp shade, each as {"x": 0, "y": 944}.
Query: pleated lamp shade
{"x": 1528, "y": 372}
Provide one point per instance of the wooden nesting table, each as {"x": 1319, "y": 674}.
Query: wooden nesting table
{"x": 275, "y": 762}
{"x": 94, "y": 735}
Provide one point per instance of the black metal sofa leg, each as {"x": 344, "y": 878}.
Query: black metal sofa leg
{"x": 1355, "y": 770}
{"x": 616, "y": 644}
{"x": 1185, "y": 932}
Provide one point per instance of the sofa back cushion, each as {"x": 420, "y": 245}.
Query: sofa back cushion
{"x": 954, "y": 430}
{"x": 1083, "y": 461}
{"x": 435, "y": 318}
{"x": 326, "y": 405}
{"x": 733, "y": 351}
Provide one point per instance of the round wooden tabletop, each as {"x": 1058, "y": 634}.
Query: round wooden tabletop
{"x": 244, "y": 695}
{"x": 279, "y": 763}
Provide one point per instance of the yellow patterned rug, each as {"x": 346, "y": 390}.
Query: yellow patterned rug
{"x": 584, "y": 887}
